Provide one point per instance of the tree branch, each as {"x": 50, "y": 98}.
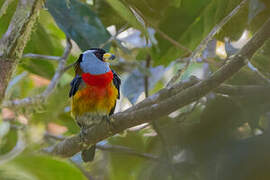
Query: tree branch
{"x": 135, "y": 116}
{"x": 14, "y": 40}
{"x": 43, "y": 96}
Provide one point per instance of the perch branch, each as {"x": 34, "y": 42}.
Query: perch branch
{"x": 135, "y": 116}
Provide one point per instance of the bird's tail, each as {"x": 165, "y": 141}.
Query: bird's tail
{"x": 89, "y": 153}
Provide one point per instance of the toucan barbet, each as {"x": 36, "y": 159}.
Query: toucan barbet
{"x": 94, "y": 91}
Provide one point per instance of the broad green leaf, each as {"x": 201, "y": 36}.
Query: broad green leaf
{"x": 261, "y": 59}
{"x": 108, "y": 15}
{"x": 127, "y": 14}
{"x": 79, "y": 23}
{"x": 5, "y": 19}
{"x": 125, "y": 166}
{"x": 153, "y": 11}
{"x": 195, "y": 20}
{"x": 42, "y": 167}
{"x": 8, "y": 142}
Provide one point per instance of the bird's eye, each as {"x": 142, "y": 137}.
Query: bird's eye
{"x": 99, "y": 55}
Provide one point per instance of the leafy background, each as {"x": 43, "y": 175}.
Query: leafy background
{"x": 219, "y": 138}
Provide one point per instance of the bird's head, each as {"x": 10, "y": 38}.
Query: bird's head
{"x": 95, "y": 61}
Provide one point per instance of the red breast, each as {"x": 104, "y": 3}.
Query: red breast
{"x": 101, "y": 80}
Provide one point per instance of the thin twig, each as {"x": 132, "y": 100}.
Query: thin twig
{"x": 59, "y": 70}
{"x": 146, "y": 78}
{"x": 261, "y": 75}
{"x": 197, "y": 52}
{"x": 114, "y": 37}
{"x": 41, "y": 56}
{"x": 18, "y": 148}
{"x": 181, "y": 117}
{"x": 127, "y": 151}
{"x": 54, "y": 137}
{"x": 69, "y": 66}
{"x": 43, "y": 96}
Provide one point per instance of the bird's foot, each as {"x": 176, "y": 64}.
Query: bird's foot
{"x": 83, "y": 134}
{"x": 109, "y": 122}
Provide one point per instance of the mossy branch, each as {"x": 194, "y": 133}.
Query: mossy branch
{"x": 15, "y": 38}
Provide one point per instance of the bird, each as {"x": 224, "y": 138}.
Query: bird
{"x": 94, "y": 92}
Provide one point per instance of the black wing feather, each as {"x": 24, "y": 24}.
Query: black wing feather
{"x": 117, "y": 83}
{"x": 75, "y": 83}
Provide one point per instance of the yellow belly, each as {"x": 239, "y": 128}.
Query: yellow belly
{"x": 96, "y": 100}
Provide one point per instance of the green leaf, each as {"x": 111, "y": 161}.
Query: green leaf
{"x": 41, "y": 42}
{"x": 176, "y": 3}
{"x": 79, "y": 23}
{"x": 123, "y": 166}
{"x": 261, "y": 59}
{"x": 5, "y": 19}
{"x": 42, "y": 167}
{"x": 8, "y": 142}
{"x": 127, "y": 14}
{"x": 108, "y": 15}
{"x": 197, "y": 19}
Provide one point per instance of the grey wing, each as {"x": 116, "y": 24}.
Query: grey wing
{"x": 75, "y": 84}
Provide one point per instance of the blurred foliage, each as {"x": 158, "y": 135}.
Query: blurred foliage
{"x": 219, "y": 137}
{"x": 31, "y": 166}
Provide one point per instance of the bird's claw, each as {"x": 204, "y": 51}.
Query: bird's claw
{"x": 109, "y": 122}
{"x": 83, "y": 134}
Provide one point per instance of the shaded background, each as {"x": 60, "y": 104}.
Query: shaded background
{"x": 220, "y": 137}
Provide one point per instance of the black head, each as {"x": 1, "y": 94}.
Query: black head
{"x": 99, "y": 53}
